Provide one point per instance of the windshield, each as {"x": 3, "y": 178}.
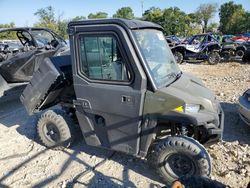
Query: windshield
{"x": 158, "y": 56}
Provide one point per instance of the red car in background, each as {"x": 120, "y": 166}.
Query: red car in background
{"x": 242, "y": 38}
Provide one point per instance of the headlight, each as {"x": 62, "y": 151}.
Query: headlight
{"x": 192, "y": 108}
{"x": 189, "y": 108}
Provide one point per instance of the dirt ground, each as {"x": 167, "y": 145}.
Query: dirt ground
{"x": 231, "y": 158}
{"x": 26, "y": 163}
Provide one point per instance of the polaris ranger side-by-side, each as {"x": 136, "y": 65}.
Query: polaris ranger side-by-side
{"x": 125, "y": 90}
{"x": 203, "y": 47}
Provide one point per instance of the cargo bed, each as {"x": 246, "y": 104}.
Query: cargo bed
{"x": 50, "y": 84}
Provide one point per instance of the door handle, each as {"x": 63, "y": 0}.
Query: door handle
{"x": 127, "y": 99}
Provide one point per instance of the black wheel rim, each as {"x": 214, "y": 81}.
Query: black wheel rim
{"x": 240, "y": 53}
{"x": 178, "y": 165}
{"x": 51, "y": 132}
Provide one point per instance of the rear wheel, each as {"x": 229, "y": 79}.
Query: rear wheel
{"x": 214, "y": 58}
{"x": 178, "y": 156}
{"x": 56, "y": 129}
{"x": 178, "y": 57}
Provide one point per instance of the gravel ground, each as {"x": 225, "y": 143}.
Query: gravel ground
{"x": 25, "y": 163}
{"x": 231, "y": 158}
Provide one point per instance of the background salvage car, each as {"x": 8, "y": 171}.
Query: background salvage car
{"x": 244, "y": 107}
{"x": 21, "y": 52}
{"x": 199, "y": 48}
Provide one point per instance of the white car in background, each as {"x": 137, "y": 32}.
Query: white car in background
{"x": 244, "y": 107}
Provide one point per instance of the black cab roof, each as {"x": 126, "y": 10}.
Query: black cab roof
{"x": 129, "y": 24}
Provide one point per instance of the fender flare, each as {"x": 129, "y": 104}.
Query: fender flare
{"x": 241, "y": 47}
{"x": 180, "y": 49}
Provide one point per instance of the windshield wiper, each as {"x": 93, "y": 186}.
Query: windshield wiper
{"x": 170, "y": 75}
{"x": 173, "y": 75}
{"x": 176, "y": 76}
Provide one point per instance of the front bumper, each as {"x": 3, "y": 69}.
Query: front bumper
{"x": 244, "y": 109}
{"x": 216, "y": 133}
{"x": 209, "y": 124}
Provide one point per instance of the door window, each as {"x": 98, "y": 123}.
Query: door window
{"x": 101, "y": 59}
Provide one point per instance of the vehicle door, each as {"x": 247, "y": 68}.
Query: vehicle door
{"x": 110, "y": 86}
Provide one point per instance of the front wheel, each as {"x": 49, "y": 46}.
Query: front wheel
{"x": 178, "y": 57}
{"x": 178, "y": 156}
{"x": 214, "y": 58}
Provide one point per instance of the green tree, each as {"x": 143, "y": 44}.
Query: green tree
{"x": 8, "y": 35}
{"x": 212, "y": 27}
{"x": 246, "y": 21}
{"x": 124, "y": 12}
{"x": 153, "y": 15}
{"x": 46, "y": 18}
{"x": 97, "y": 15}
{"x": 195, "y": 25}
{"x": 204, "y": 13}
{"x": 233, "y": 18}
{"x": 10, "y": 25}
{"x": 78, "y": 18}
{"x": 61, "y": 30}
{"x": 175, "y": 21}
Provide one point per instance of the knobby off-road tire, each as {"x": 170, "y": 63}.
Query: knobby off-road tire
{"x": 177, "y": 156}
{"x": 214, "y": 58}
{"x": 178, "y": 57}
{"x": 56, "y": 129}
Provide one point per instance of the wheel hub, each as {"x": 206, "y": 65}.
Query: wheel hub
{"x": 240, "y": 53}
{"x": 179, "y": 165}
{"x": 52, "y": 132}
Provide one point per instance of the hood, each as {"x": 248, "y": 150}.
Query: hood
{"x": 192, "y": 91}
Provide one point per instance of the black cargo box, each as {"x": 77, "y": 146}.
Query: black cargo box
{"x": 48, "y": 84}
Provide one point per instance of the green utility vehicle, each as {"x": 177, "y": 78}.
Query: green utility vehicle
{"x": 122, "y": 87}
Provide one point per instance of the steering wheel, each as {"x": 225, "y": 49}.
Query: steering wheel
{"x": 54, "y": 43}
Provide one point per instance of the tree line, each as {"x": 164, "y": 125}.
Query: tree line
{"x": 234, "y": 19}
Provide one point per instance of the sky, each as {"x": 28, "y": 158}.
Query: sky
{"x": 21, "y": 12}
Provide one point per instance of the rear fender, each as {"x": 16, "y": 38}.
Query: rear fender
{"x": 241, "y": 47}
{"x": 179, "y": 49}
